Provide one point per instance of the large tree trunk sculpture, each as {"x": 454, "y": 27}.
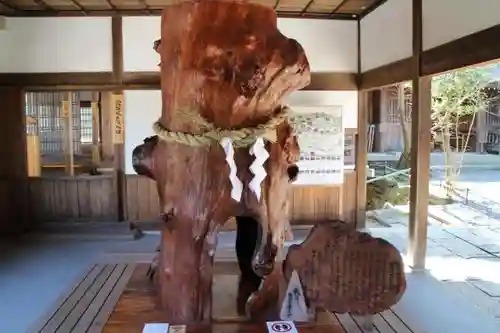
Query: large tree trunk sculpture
{"x": 224, "y": 67}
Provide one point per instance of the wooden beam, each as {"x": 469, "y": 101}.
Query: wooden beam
{"x": 56, "y": 79}
{"x": 474, "y": 49}
{"x": 361, "y": 153}
{"x": 336, "y": 8}
{"x": 332, "y": 81}
{"x": 319, "y": 81}
{"x": 420, "y": 149}
{"x": 477, "y": 48}
{"x": 15, "y": 208}
{"x": 115, "y": 81}
{"x": 10, "y": 6}
{"x": 117, "y": 110}
{"x": 371, "y": 8}
{"x": 157, "y": 12}
{"x": 67, "y": 113}
{"x": 117, "y": 48}
{"x": 361, "y": 157}
{"x": 392, "y": 73}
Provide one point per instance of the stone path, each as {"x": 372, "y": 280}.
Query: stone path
{"x": 466, "y": 260}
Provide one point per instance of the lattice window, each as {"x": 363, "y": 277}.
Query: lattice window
{"x": 86, "y": 122}
{"x": 392, "y": 106}
{"x": 44, "y": 111}
{"x": 493, "y": 113}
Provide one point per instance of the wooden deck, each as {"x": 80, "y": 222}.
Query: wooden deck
{"x": 137, "y": 306}
{"x": 87, "y": 306}
{"x": 117, "y": 298}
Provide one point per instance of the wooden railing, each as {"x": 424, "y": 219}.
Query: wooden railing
{"x": 82, "y": 198}
{"x": 308, "y": 203}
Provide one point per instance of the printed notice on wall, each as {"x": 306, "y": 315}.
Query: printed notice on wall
{"x": 320, "y": 134}
{"x": 118, "y": 125}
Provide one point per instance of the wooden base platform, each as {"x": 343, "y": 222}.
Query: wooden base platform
{"x": 137, "y": 306}
{"x": 118, "y": 298}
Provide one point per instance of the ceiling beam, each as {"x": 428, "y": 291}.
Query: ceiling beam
{"x": 112, "y": 6}
{"x": 398, "y": 71}
{"x": 79, "y": 6}
{"x": 472, "y": 50}
{"x": 146, "y": 8}
{"x": 334, "y": 10}
{"x": 141, "y": 80}
{"x": 7, "y": 4}
{"x": 157, "y": 12}
{"x": 371, "y": 8}
{"x": 306, "y": 7}
{"x": 43, "y": 4}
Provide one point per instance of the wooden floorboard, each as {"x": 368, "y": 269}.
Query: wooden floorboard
{"x": 86, "y": 308}
{"x": 78, "y": 311}
{"x": 94, "y": 308}
{"x": 67, "y": 306}
{"x": 348, "y": 324}
{"x": 137, "y": 306}
{"x": 382, "y": 325}
{"x": 108, "y": 306}
{"x": 386, "y": 322}
{"x": 395, "y": 322}
{"x": 117, "y": 297}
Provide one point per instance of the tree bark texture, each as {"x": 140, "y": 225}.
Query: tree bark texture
{"x": 229, "y": 62}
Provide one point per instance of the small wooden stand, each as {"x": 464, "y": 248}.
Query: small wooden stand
{"x": 138, "y": 305}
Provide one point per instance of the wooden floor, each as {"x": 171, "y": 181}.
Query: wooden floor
{"x": 86, "y": 308}
{"x": 117, "y": 298}
{"x": 137, "y": 306}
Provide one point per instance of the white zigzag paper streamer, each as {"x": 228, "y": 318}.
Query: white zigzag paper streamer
{"x": 237, "y": 185}
{"x": 257, "y": 167}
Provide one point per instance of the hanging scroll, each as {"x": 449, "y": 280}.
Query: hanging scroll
{"x": 118, "y": 125}
{"x": 321, "y": 138}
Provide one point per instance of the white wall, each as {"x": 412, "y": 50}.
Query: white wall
{"x": 56, "y": 45}
{"x": 331, "y": 46}
{"x": 386, "y": 34}
{"x": 84, "y": 44}
{"x": 143, "y": 107}
{"x": 447, "y": 20}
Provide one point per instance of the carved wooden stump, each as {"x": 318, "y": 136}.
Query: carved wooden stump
{"x": 346, "y": 270}
{"x": 227, "y": 63}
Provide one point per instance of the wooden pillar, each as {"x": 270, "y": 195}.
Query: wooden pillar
{"x": 420, "y": 150}
{"x": 361, "y": 138}
{"x": 118, "y": 117}
{"x": 361, "y": 157}
{"x": 106, "y": 128}
{"x": 96, "y": 152}
{"x": 67, "y": 113}
{"x": 481, "y": 131}
{"x": 14, "y": 205}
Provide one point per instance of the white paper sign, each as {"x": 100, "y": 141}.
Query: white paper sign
{"x": 156, "y": 328}
{"x": 281, "y": 327}
{"x": 294, "y": 305}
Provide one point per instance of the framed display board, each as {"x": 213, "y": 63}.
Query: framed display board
{"x": 320, "y": 133}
